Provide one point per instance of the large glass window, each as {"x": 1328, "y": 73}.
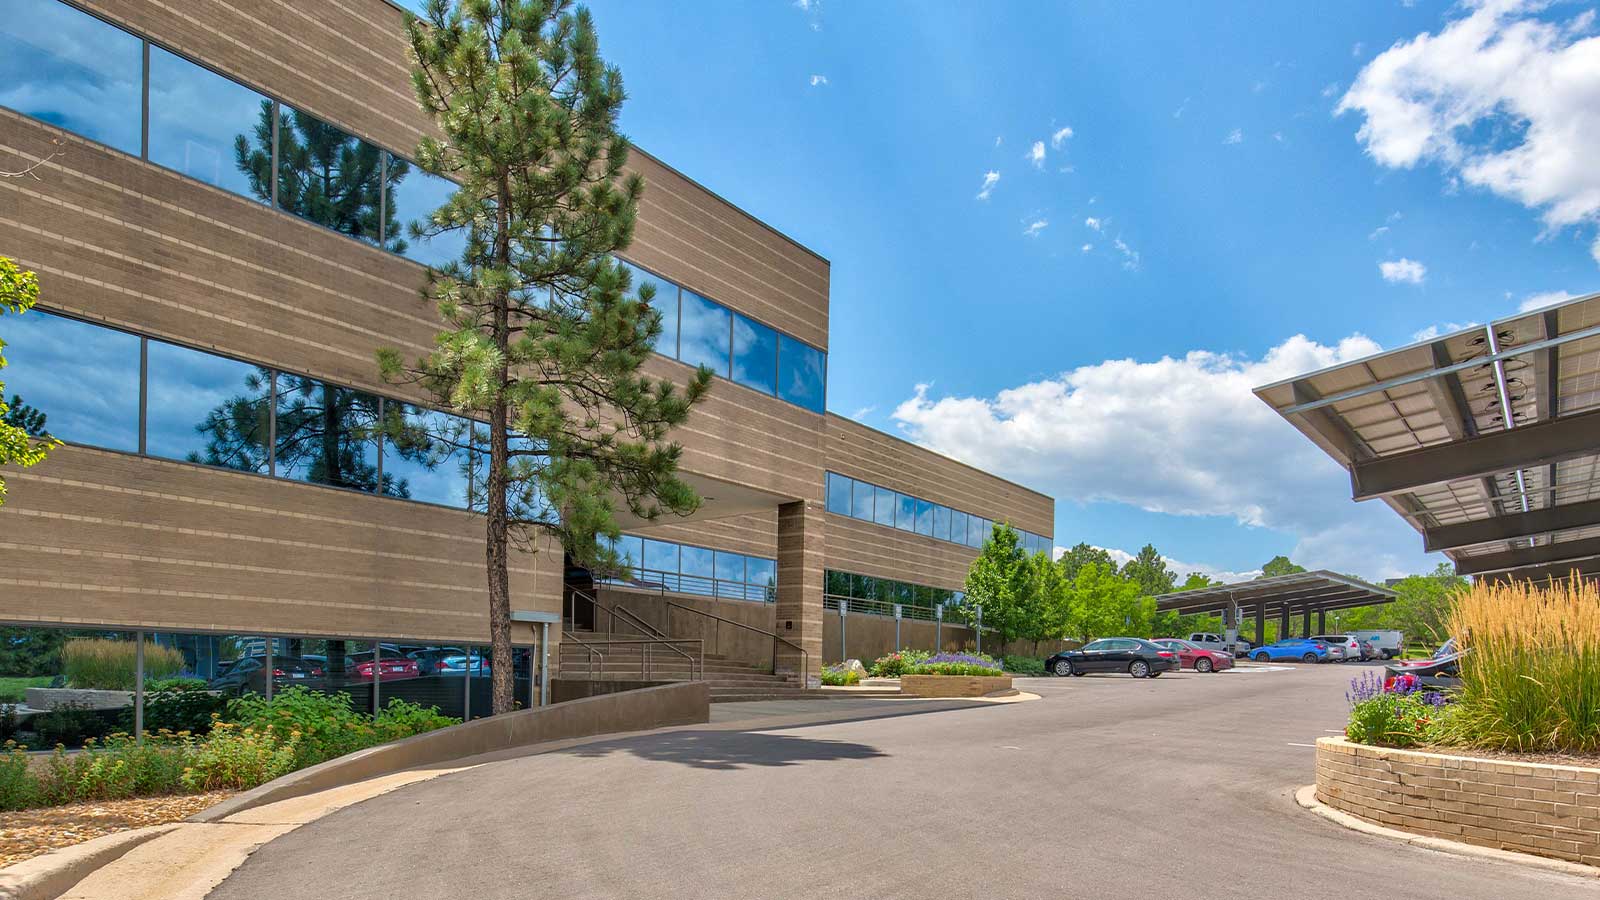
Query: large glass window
{"x": 762, "y": 573}
{"x": 941, "y": 522}
{"x": 755, "y": 355}
{"x": 665, "y": 299}
{"x": 630, "y": 549}
{"x": 324, "y": 174}
{"x": 924, "y": 517}
{"x": 427, "y": 455}
{"x": 703, "y": 333}
{"x": 730, "y": 566}
{"x": 72, "y": 70}
{"x": 327, "y": 434}
{"x": 861, "y": 495}
{"x": 53, "y": 389}
{"x": 199, "y": 120}
{"x": 413, "y": 196}
{"x": 661, "y": 556}
{"x": 905, "y": 516}
{"x": 207, "y": 409}
{"x": 883, "y": 508}
{"x": 802, "y": 374}
{"x": 838, "y": 494}
{"x": 698, "y": 567}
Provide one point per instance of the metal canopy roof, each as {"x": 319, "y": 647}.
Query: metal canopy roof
{"x": 1486, "y": 440}
{"x": 1308, "y": 591}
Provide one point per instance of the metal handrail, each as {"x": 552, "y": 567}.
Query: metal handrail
{"x": 592, "y": 653}
{"x": 661, "y": 581}
{"x": 870, "y": 607}
{"x": 805, "y": 670}
{"x": 697, "y": 667}
{"x": 653, "y": 635}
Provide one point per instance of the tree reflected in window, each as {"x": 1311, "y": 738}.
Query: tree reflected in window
{"x": 329, "y": 435}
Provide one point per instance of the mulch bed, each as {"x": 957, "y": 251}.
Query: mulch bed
{"x": 31, "y": 832}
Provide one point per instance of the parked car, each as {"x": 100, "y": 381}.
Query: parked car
{"x": 458, "y": 664}
{"x": 431, "y": 660}
{"x": 1213, "y": 641}
{"x": 1292, "y": 650}
{"x": 249, "y": 675}
{"x": 1342, "y": 647}
{"x": 1193, "y": 656}
{"x": 1136, "y": 656}
{"x": 1382, "y": 644}
{"x": 389, "y": 669}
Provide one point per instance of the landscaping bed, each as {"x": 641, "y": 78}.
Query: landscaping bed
{"x": 29, "y": 833}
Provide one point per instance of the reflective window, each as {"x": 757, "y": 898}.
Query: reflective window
{"x": 327, "y": 434}
{"x": 427, "y": 455}
{"x": 413, "y": 196}
{"x": 838, "y": 494}
{"x": 207, "y": 409}
{"x": 924, "y": 517}
{"x": 730, "y": 566}
{"x": 631, "y": 549}
{"x": 761, "y": 572}
{"x": 199, "y": 120}
{"x": 324, "y": 175}
{"x": 665, "y": 300}
{"x": 52, "y": 392}
{"x": 883, "y": 508}
{"x": 958, "y": 526}
{"x": 905, "y": 515}
{"x": 941, "y": 522}
{"x": 861, "y": 495}
{"x": 661, "y": 556}
{"x": 72, "y": 70}
{"x": 755, "y": 355}
{"x": 697, "y": 562}
{"x": 802, "y": 374}
{"x": 703, "y": 333}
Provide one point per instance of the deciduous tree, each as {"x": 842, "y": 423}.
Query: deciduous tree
{"x": 20, "y": 444}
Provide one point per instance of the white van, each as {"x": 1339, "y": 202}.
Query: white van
{"x": 1382, "y": 644}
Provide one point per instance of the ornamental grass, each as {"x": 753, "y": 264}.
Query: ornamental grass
{"x": 1530, "y": 679}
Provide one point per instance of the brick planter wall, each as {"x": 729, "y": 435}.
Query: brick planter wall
{"x": 953, "y": 685}
{"x": 1534, "y": 808}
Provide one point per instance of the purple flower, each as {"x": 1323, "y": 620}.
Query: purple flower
{"x": 1367, "y": 685}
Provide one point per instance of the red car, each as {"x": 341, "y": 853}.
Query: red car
{"x": 389, "y": 669}
{"x": 1192, "y": 656}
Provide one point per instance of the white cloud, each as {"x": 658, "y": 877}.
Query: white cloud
{"x": 1498, "y": 99}
{"x": 863, "y": 412}
{"x": 1060, "y": 136}
{"x": 1092, "y": 223}
{"x": 1433, "y": 331}
{"x": 1087, "y": 247}
{"x": 1378, "y": 232}
{"x": 1330, "y": 89}
{"x": 990, "y": 179}
{"x": 998, "y": 139}
{"x": 1036, "y": 154}
{"x": 1357, "y": 48}
{"x": 1402, "y": 270}
{"x": 1540, "y": 301}
{"x": 819, "y": 80}
{"x": 1235, "y": 136}
{"x": 1278, "y": 136}
{"x": 1182, "y": 569}
{"x": 813, "y": 12}
{"x": 1035, "y": 227}
{"x": 1182, "y": 436}
{"x": 1130, "y": 256}
{"x": 1178, "y": 113}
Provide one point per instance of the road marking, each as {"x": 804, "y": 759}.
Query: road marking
{"x": 1293, "y": 744}
{"x": 1245, "y": 670}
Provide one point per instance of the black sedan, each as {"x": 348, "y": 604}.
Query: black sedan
{"x": 1136, "y": 656}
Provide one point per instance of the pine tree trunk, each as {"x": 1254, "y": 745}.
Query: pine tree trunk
{"x": 502, "y": 677}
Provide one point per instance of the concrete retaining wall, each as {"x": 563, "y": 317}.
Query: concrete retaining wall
{"x": 953, "y": 685}
{"x": 1535, "y": 808}
{"x": 680, "y": 703}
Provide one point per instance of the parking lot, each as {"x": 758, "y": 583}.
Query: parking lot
{"x": 1107, "y": 786}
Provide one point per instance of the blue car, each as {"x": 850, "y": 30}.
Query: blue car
{"x": 1292, "y": 650}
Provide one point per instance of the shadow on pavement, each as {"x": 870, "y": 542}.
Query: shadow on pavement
{"x": 727, "y": 750}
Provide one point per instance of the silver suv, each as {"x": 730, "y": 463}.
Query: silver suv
{"x": 1213, "y": 641}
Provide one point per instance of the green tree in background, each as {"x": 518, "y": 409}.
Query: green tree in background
{"x": 20, "y": 445}
{"x": 1001, "y": 581}
{"x": 1150, "y": 572}
{"x": 1101, "y": 603}
{"x": 1280, "y": 565}
{"x": 1081, "y": 555}
{"x": 541, "y": 337}
{"x": 1047, "y": 605}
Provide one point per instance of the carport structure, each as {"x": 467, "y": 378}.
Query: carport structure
{"x": 1486, "y": 440}
{"x": 1302, "y": 593}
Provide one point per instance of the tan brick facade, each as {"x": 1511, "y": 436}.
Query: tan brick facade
{"x": 1546, "y": 810}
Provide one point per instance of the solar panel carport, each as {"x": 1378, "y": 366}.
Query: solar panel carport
{"x": 1486, "y": 440}
{"x": 1282, "y": 596}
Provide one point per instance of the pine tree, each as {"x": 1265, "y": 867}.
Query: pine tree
{"x": 541, "y": 335}
{"x": 19, "y": 444}
{"x": 1149, "y": 570}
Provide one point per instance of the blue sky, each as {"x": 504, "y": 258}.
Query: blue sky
{"x": 1201, "y": 220}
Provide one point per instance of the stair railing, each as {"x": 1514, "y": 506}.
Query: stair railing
{"x": 652, "y": 637}
{"x": 717, "y": 632}
{"x": 591, "y": 651}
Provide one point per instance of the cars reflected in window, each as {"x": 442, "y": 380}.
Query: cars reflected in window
{"x": 68, "y": 68}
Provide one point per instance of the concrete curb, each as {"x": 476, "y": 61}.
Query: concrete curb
{"x": 1306, "y": 797}
{"x": 52, "y": 874}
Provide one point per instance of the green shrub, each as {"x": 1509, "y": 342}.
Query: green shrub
{"x": 18, "y": 788}
{"x": 956, "y": 664}
{"x": 1398, "y": 720}
{"x": 401, "y": 719}
{"x": 107, "y": 665}
{"x": 238, "y": 758}
{"x": 1024, "y": 665}
{"x": 71, "y": 724}
{"x": 319, "y": 726}
{"x": 177, "y": 708}
{"x": 839, "y": 675}
{"x": 9, "y": 725}
{"x": 895, "y": 664}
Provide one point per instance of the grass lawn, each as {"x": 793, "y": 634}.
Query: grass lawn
{"x": 11, "y": 688}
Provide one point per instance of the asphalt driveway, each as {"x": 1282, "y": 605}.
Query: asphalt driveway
{"x": 1178, "y": 787}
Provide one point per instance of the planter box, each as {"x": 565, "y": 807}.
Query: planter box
{"x": 953, "y": 685}
{"x": 1537, "y": 808}
{"x": 51, "y": 698}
